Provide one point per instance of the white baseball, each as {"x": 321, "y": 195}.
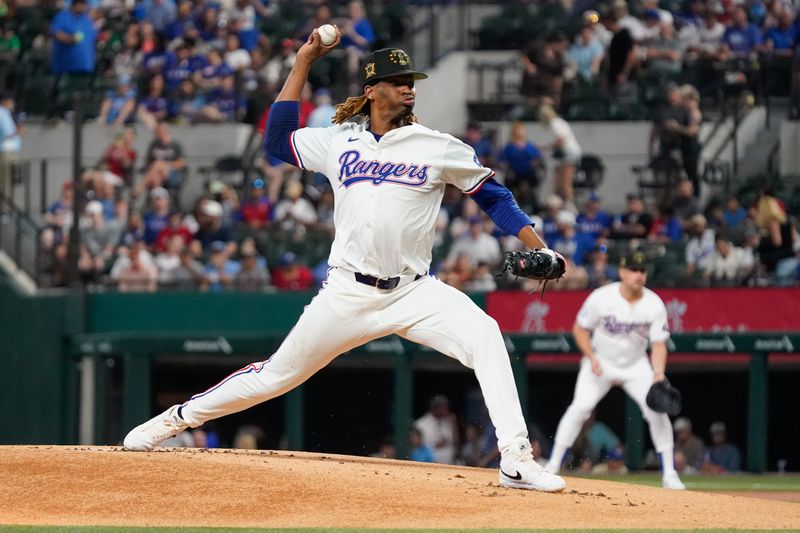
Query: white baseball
{"x": 327, "y": 34}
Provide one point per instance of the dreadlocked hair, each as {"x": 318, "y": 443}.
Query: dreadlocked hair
{"x": 358, "y": 105}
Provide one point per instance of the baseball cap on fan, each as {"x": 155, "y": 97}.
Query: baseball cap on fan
{"x": 386, "y": 63}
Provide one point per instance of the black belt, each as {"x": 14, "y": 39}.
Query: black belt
{"x": 385, "y": 284}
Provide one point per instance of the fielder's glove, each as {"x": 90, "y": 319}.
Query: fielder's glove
{"x": 539, "y": 264}
{"x": 664, "y": 398}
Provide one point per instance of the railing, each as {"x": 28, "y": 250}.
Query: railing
{"x": 20, "y": 236}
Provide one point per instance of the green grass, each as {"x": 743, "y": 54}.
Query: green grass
{"x": 99, "y": 529}
{"x": 745, "y": 482}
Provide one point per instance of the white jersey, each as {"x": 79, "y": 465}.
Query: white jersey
{"x": 387, "y": 193}
{"x": 621, "y": 330}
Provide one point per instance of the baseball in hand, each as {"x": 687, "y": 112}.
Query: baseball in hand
{"x": 327, "y": 34}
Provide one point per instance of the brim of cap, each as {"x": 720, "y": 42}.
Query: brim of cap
{"x": 417, "y": 76}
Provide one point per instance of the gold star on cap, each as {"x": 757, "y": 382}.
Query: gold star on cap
{"x": 399, "y": 57}
{"x": 369, "y": 70}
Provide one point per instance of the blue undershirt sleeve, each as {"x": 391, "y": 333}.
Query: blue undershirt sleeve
{"x": 283, "y": 119}
{"x": 498, "y": 202}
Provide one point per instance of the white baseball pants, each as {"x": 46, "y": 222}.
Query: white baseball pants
{"x": 346, "y": 314}
{"x": 590, "y": 389}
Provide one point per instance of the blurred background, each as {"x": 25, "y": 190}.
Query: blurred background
{"x": 148, "y": 247}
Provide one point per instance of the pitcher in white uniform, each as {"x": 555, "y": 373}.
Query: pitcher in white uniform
{"x": 388, "y": 175}
{"x": 612, "y": 331}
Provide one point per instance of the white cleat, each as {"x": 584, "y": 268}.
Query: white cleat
{"x": 518, "y": 470}
{"x": 672, "y": 481}
{"x": 147, "y": 436}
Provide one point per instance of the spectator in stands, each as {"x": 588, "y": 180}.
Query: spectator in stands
{"x": 598, "y": 270}
{"x": 325, "y": 211}
{"x": 187, "y": 105}
{"x": 420, "y": 452}
{"x": 587, "y": 55}
{"x": 290, "y": 275}
{"x": 690, "y": 135}
{"x": 592, "y": 221}
{"x": 635, "y": 223}
{"x": 159, "y": 13}
{"x": 189, "y": 274}
{"x": 120, "y": 156}
{"x": 174, "y": 228}
{"x": 158, "y": 58}
{"x": 183, "y": 20}
{"x": 665, "y": 137}
{"x": 252, "y": 276}
{"x": 98, "y": 235}
{"x": 210, "y": 76}
{"x": 322, "y": 15}
{"x": 685, "y": 203}
{"x": 623, "y": 60}
{"x": 280, "y": 65}
{"x": 154, "y": 107}
{"x": 664, "y": 56}
{"x": 634, "y": 25}
{"x": 742, "y": 39}
{"x": 543, "y": 70}
{"x": 225, "y": 103}
{"x": 472, "y": 447}
{"x": 168, "y": 257}
{"x": 521, "y": 158}
{"x": 256, "y": 208}
{"x": 721, "y": 456}
{"x": 323, "y": 113}
{"x": 780, "y": 39}
{"x": 138, "y": 276}
{"x": 157, "y": 218}
{"x": 119, "y": 104}
{"x": 74, "y": 38}
{"x": 689, "y": 448}
{"x": 666, "y": 227}
{"x": 165, "y": 161}
{"x": 439, "y": 429}
{"x": 700, "y": 248}
{"x": 220, "y": 269}
{"x": 10, "y": 145}
{"x": 735, "y": 215}
{"x": 566, "y": 152}
{"x": 126, "y": 62}
{"x": 779, "y": 238}
{"x": 730, "y": 263}
{"x": 294, "y": 212}
{"x": 481, "y": 280}
{"x": 553, "y": 206}
{"x": 210, "y": 226}
{"x": 480, "y": 143}
{"x": 613, "y": 464}
{"x": 457, "y": 272}
{"x": 357, "y": 38}
{"x": 477, "y": 245}
{"x": 58, "y": 218}
{"x": 182, "y": 67}
{"x": 236, "y": 57}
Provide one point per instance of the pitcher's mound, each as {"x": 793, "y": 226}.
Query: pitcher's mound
{"x": 62, "y": 485}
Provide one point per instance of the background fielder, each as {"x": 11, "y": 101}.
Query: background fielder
{"x": 612, "y": 330}
{"x": 388, "y": 174}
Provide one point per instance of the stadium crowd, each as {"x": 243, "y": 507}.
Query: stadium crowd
{"x": 198, "y": 61}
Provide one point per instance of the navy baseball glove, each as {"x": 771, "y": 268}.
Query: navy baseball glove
{"x": 664, "y": 398}
{"x": 539, "y": 264}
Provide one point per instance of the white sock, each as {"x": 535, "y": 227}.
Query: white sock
{"x": 667, "y": 462}
{"x": 556, "y": 457}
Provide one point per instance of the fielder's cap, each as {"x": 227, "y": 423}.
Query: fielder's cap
{"x": 635, "y": 260}
{"x": 717, "y": 427}
{"x": 682, "y": 424}
{"x": 159, "y": 192}
{"x": 386, "y": 63}
{"x": 217, "y": 246}
{"x": 94, "y": 208}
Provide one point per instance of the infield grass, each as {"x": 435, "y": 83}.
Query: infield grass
{"x": 732, "y": 482}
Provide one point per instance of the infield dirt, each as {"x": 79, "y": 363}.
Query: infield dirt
{"x": 60, "y": 485}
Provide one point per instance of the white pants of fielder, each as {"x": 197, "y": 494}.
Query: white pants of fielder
{"x": 635, "y": 380}
{"x": 346, "y": 314}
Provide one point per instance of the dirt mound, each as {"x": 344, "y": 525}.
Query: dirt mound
{"x": 107, "y": 486}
